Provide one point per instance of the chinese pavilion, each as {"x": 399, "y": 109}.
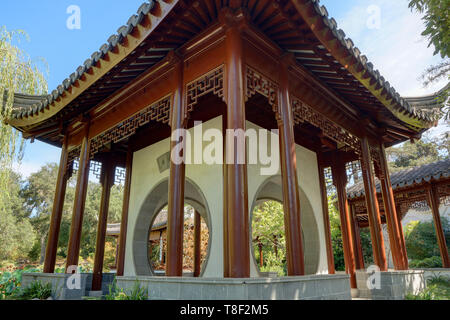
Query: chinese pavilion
{"x": 232, "y": 64}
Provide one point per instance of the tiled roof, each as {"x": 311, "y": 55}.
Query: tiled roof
{"x": 32, "y": 105}
{"x": 380, "y": 88}
{"x": 409, "y": 177}
{"x": 429, "y": 102}
{"x": 377, "y": 80}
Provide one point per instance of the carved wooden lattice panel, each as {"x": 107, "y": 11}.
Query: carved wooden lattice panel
{"x": 304, "y": 113}
{"x": 257, "y": 83}
{"x": 120, "y": 175}
{"x": 212, "y": 82}
{"x": 158, "y": 111}
{"x": 95, "y": 168}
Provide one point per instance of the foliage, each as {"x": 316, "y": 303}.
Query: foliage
{"x": 432, "y": 262}
{"x": 273, "y": 263}
{"x": 36, "y": 290}
{"x": 268, "y": 229}
{"x": 18, "y": 74}
{"x": 438, "y": 288}
{"x": 136, "y": 293}
{"x": 10, "y": 281}
{"x": 425, "y": 151}
{"x": 437, "y": 21}
{"x": 420, "y": 239}
{"x": 437, "y": 29}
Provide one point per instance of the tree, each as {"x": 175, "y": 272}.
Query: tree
{"x": 16, "y": 232}
{"x": 421, "y": 152}
{"x": 421, "y": 241}
{"x": 437, "y": 29}
{"x": 38, "y": 197}
{"x": 17, "y": 74}
{"x": 268, "y": 230}
{"x": 436, "y": 18}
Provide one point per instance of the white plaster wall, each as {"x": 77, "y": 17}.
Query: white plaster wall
{"x": 146, "y": 175}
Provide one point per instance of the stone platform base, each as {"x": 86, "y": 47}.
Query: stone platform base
{"x": 59, "y": 281}
{"x": 393, "y": 285}
{"x": 316, "y": 287}
{"x": 429, "y": 273}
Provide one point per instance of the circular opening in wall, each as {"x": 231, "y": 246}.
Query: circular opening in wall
{"x": 157, "y": 243}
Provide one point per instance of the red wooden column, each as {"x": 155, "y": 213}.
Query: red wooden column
{"x": 236, "y": 173}
{"x": 226, "y": 256}
{"x": 326, "y": 215}
{"x": 433, "y": 201}
{"x": 398, "y": 251}
{"x": 402, "y": 235}
{"x": 124, "y": 221}
{"x": 58, "y": 203}
{"x": 373, "y": 210}
{"x": 197, "y": 243}
{"x": 340, "y": 181}
{"x": 73, "y": 250}
{"x": 175, "y": 215}
{"x": 291, "y": 199}
{"x": 107, "y": 176}
{"x": 356, "y": 236}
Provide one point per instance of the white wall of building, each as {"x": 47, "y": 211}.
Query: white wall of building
{"x": 208, "y": 180}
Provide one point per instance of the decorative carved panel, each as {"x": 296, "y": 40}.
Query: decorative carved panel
{"x": 120, "y": 175}
{"x": 304, "y": 113}
{"x": 257, "y": 83}
{"x": 158, "y": 111}
{"x": 212, "y": 82}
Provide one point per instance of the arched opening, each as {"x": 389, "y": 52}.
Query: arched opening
{"x": 157, "y": 244}
{"x": 150, "y": 223}
{"x": 268, "y": 203}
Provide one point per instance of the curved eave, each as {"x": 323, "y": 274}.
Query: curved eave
{"x": 343, "y": 50}
{"x": 119, "y": 46}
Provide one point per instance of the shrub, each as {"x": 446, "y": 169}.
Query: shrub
{"x": 136, "y": 293}
{"x": 421, "y": 241}
{"x": 36, "y": 290}
{"x": 10, "y": 282}
{"x": 433, "y": 262}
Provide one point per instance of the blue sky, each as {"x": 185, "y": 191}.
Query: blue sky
{"x": 395, "y": 46}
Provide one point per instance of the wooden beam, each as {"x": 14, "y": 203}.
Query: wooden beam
{"x": 124, "y": 221}
{"x": 291, "y": 199}
{"x": 73, "y": 249}
{"x": 107, "y": 177}
{"x": 175, "y": 214}
{"x": 58, "y": 204}
{"x": 433, "y": 201}
{"x": 373, "y": 210}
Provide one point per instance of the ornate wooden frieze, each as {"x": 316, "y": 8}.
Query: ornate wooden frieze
{"x": 158, "y": 111}
{"x": 305, "y": 114}
{"x": 212, "y": 82}
{"x": 375, "y": 155}
{"x": 258, "y": 83}
{"x": 73, "y": 154}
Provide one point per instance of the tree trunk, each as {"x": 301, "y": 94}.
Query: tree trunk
{"x": 42, "y": 258}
